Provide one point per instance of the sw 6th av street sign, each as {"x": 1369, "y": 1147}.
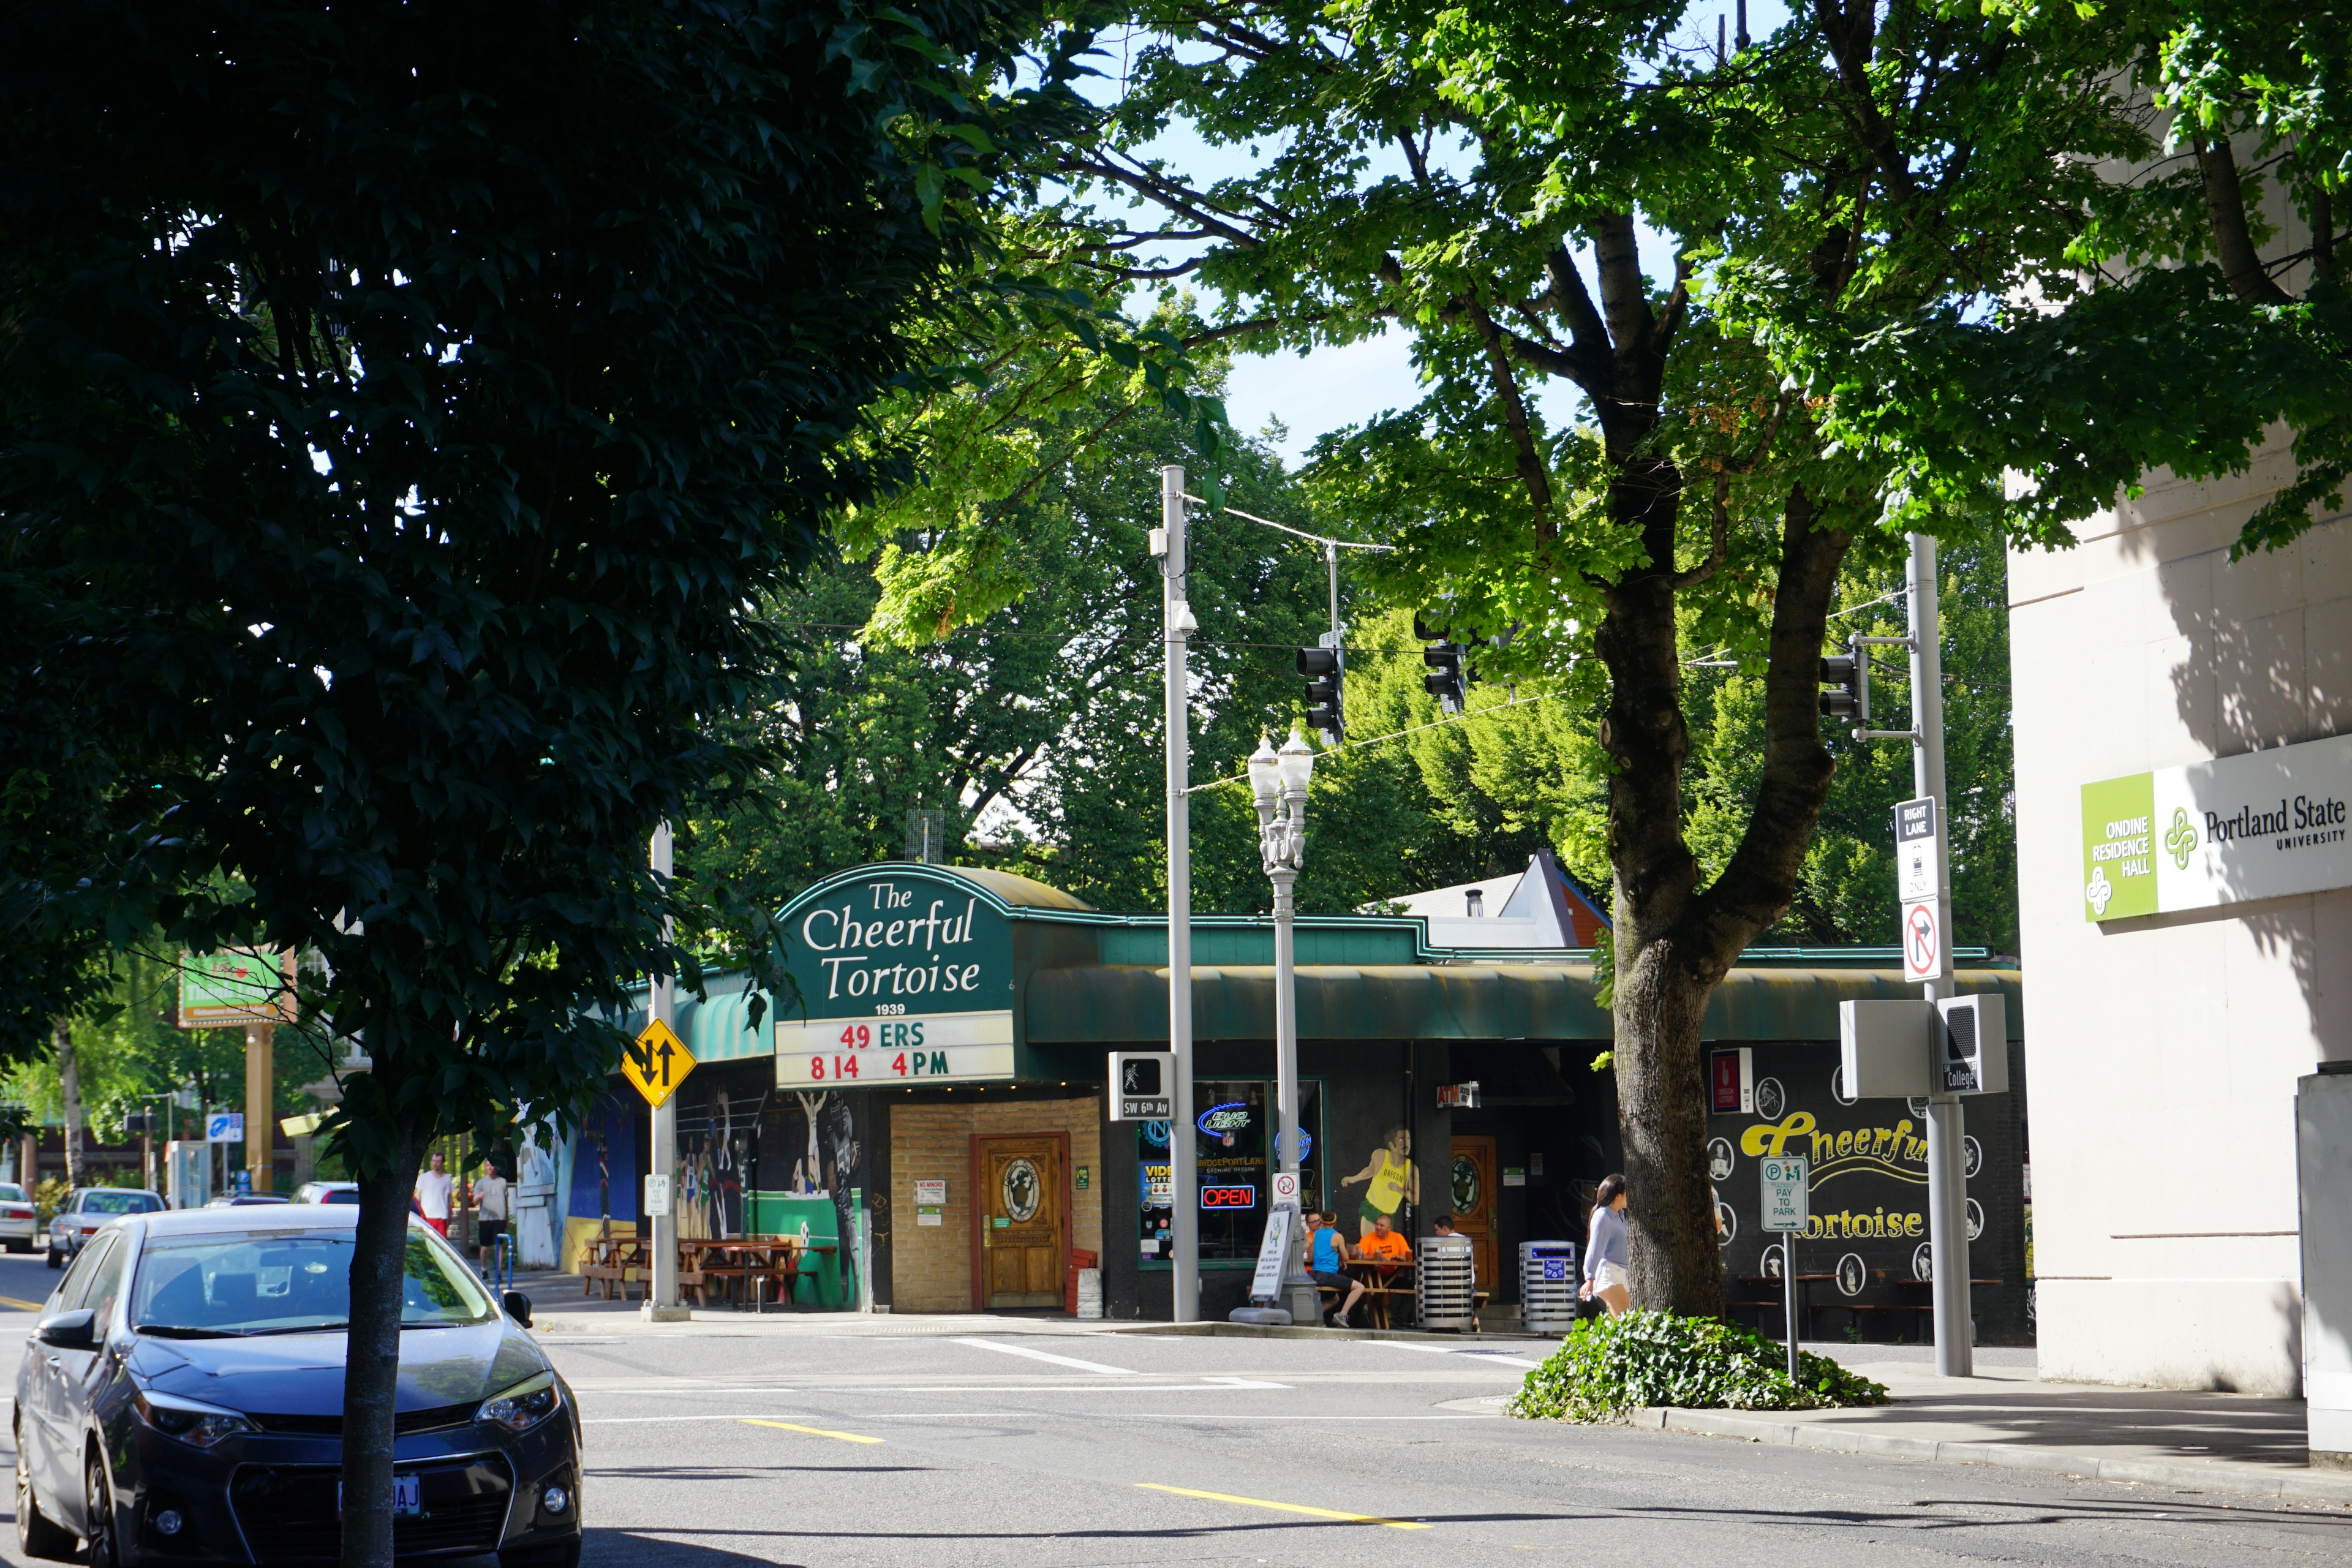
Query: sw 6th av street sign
{"x": 657, "y": 1062}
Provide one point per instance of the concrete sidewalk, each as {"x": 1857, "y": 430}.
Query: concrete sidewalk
{"x": 2007, "y": 1415}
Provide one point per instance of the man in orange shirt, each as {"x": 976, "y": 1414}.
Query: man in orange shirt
{"x": 1385, "y": 1246}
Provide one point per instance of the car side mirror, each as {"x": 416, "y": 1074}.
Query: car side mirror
{"x": 518, "y": 1306}
{"x": 74, "y": 1330}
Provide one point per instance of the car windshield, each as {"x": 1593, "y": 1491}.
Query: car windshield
{"x": 280, "y": 1282}
{"x": 116, "y": 1203}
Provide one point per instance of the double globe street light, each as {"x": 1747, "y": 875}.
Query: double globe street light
{"x": 1278, "y": 780}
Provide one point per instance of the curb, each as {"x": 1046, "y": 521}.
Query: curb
{"x": 2290, "y": 1485}
{"x": 1218, "y": 1331}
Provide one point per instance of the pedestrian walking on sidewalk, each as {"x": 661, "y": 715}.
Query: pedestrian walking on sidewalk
{"x": 1605, "y": 1278}
{"x": 489, "y": 1211}
{"x": 433, "y": 1187}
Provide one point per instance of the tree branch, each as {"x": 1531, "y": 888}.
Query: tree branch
{"x": 2225, "y": 209}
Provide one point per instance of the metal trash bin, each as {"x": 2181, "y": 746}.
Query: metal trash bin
{"x": 1547, "y": 1287}
{"x": 1444, "y": 1283}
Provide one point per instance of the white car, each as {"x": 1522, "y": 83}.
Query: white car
{"x": 18, "y": 1224}
{"x": 91, "y": 1208}
{"x": 328, "y": 1193}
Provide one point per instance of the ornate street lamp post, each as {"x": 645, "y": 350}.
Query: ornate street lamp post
{"x": 1279, "y": 781}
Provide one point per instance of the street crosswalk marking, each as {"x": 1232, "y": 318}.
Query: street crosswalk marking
{"x": 1286, "y": 1507}
{"x": 1048, "y": 1355}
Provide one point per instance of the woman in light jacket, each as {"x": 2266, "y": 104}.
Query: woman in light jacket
{"x": 1604, "y": 1248}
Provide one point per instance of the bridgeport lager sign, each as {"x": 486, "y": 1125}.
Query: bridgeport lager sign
{"x": 905, "y": 977}
{"x": 2263, "y": 824}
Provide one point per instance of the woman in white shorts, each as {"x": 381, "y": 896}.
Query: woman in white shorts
{"x": 1604, "y": 1248}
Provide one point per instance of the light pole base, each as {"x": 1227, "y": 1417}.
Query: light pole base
{"x": 654, "y": 1312}
{"x": 1304, "y": 1302}
{"x": 1270, "y": 1317}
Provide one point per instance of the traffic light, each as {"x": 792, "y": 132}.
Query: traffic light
{"x": 1324, "y": 670}
{"x": 1448, "y": 680}
{"x": 1848, "y": 696}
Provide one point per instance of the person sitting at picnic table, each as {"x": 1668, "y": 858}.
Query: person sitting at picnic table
{"x": 1327, "y": 1263}
{"x": 1386, "y": 1248}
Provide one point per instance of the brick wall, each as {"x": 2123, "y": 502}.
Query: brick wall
{"x": 931, "y": 1265}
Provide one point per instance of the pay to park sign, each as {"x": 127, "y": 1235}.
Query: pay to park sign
{"x": 2263, "y": 824}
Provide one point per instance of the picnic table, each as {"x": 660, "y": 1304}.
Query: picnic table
{"x": 1383, "y": 1281}
{"x": 608, "y": 1262}
{"x": 759, "y": 1266}
{"x": 1773, "y": 1302}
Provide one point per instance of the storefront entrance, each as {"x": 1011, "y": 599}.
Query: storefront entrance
{"x": 1021, "y": 1182}
{"x": 1474, "y": 1203}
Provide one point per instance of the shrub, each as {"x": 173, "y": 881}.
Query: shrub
{"x": 1611, "y": 1365}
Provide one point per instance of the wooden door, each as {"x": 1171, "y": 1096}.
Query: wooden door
{"x": 1474, "y": 1204}
{"x": 1021, "y": 1204}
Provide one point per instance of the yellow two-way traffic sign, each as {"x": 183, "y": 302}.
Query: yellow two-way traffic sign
{"x": 657, "y": 1062}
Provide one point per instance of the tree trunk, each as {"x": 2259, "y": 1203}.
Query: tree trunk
{"x": 69, "y": 1093}
{"x": 371, "y": 1354}
{"x": 1674, "y": 940}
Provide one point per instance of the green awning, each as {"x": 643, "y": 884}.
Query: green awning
{"x": 1111, "y": 1004}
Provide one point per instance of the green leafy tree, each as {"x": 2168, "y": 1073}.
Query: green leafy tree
{"x": 1880, "y": 222}
{"x": 405, "y": 401}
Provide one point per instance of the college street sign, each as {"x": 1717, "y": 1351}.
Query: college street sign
{"x": 2263, "y": 824}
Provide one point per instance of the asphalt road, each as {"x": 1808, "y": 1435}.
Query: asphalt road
{"x": 981, "y": 1444}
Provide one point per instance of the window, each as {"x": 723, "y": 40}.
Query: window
{"x": 116, "y": 1201}
{"x": 76, "y": 1284}
{"x": 1233, "y": 1138}
{"x": 287, "y": 1282}
{"x": 105, "y": 1285}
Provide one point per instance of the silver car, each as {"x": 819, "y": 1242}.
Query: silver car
{"x": 19, "y": 1227}
{"x": 88, "y": 1210}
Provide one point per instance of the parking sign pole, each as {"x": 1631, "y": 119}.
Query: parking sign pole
{"x": 661, "y": 1301}
{"x": 1788, "y": 1297}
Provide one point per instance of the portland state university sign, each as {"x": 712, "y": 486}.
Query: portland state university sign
{"x": 905, "y": 976}
{"x": 2261, "y": 826}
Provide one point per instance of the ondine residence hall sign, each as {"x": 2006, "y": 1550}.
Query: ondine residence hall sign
{"x": 2260, "y": 826}
{"x": 904, "y": 977}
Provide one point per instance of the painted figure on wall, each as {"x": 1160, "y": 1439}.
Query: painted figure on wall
{"x": 844, "y": 1175}
{"x": 727, "y": 1170}
{"x": 1394, "y": 1182}
{"x": 808, "y": 1173}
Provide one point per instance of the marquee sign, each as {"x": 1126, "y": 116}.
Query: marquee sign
{"x": 2263, "y": 824}
{"x": 905, "y": 976}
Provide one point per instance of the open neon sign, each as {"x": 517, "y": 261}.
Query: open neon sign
{"x": 1242, "y": 1196}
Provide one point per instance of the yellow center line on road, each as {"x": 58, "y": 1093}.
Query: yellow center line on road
{"x": 20, "y": 1306}
{"x": 1287, "y": 1507}
{"x": 812, "y": 1431}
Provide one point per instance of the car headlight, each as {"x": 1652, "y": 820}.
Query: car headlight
{"x": 189, "y": 1421}
{"x": 524, "y": 1406}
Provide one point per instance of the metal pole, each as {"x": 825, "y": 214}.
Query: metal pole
{"x": 663, "y": 1299}
{"x": 1184, "y": 1226}
{"x": 1286, "y": 1019}
{"x": 1789, "y": 1295}
{"x": 1947, "y": 1196}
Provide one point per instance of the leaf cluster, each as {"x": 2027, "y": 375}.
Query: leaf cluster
{"x": 1611, "y": 1365}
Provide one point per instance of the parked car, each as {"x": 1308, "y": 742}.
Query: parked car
{"x": 89, "y": 1209}
{"x": 328, "y": 1193}
{"x": 18, "y": 1222}
{"x": 181, "y": 1401}
{"x": 245, "y": 1199}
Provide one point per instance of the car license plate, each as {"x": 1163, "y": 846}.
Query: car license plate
{"x": 407, "y": 1495}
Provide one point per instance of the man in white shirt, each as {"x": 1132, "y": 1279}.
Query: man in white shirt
{"x": 489, "y": 1210}
{"x": 433, "y": 1187}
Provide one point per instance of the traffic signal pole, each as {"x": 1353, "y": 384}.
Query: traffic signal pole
{"x": 1947, "y": 1182}
{"x": 1176, "y": 615}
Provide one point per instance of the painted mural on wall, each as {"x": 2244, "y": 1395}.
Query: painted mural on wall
{"x": 1389, "y": 1181}
{"x": 604, "y": 1168}
{"x": 1867, "y": 1195}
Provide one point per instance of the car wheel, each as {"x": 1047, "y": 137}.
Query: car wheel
{"x": 564, "y": 1556}
{"x": 54, "y": 1259}
{"x": 97, "y": 1515}
{"x": 37, "y": 1535}
{"x": 20, "y": 1245}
